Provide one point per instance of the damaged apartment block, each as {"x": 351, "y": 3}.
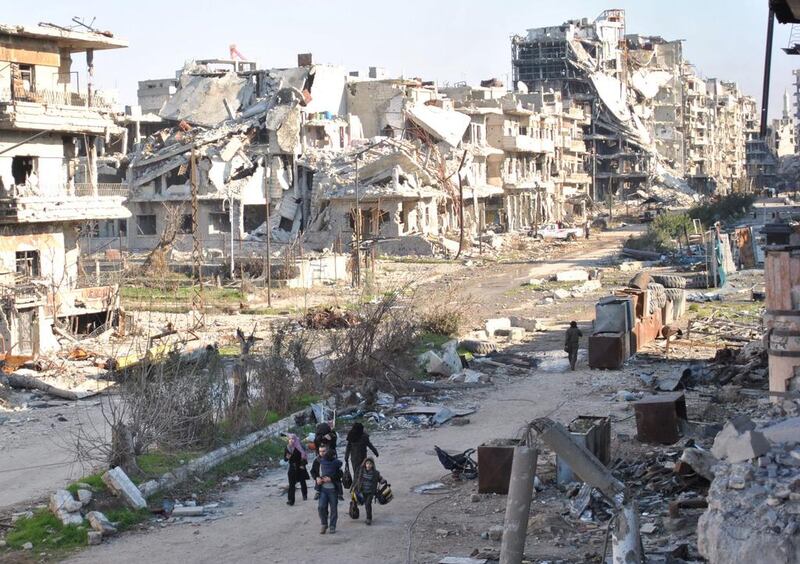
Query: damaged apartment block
{"x": 52, "y": 134}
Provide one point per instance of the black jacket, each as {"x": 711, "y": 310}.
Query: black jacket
{"x": 297, "y": 466}
{"x": 357, "y": 450}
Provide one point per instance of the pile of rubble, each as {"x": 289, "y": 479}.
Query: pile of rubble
{"x": 754, "y": 507}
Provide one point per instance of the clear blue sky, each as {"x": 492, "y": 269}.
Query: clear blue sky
{"x": 442, "y": 40}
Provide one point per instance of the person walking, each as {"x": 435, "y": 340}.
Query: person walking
{"x": 586, "y": 229}
{"x": 297, "y": 458}
{"x": 356, "y": 450}
{"x": 366, "y": 485}
{"x": 327, "y": 473}
{"x": 572, "y": 343}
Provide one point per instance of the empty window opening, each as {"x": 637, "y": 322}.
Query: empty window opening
{"x": 28, "y": 263}
{"x": 219, "y": 222}
{"x": 146, "y": 224}
{"x": 253, "y": 217}
{"x": 178, "y": 176}
{"x": 185, "y": 228}
{"x": 22, "y": 168}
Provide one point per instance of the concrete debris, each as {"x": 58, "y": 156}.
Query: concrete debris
{"x": 188, "y": 511}
{"x": 700, "y": 461}
{"x": 66, "y": 508}
{"x": 738, "y": 441}
{"x": 576, "y": 275}
{"x": 753, "y": 514}
{"x": 493, "y": 325}
{"x": 101, "y": 524}
{"x": 119, "y": 483}
{"x": 84, "y": 496}
{"x": 93, "y": 538}
{"x": 527, "y": 323}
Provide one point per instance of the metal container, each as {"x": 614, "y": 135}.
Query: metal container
{"x": 658, "y": 418}
{"x": 608, "y": 350}
{"x": 592, "y": 432}
{"x": 494, "y": 465}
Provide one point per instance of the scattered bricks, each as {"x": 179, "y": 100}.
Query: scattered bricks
{"x": 85, "y": 497}
{"x": 576, "y": 275}
{"x": 188, "y": 511}
{"x": 101, "y": 524}
{"x": 492, "y": 325}
{"x": 496, "y": 533}
{"x": 94, "y": 538}
{"x": 119, "y": 483}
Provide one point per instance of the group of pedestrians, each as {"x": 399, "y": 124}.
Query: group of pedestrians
{"x": 329, "y": 472}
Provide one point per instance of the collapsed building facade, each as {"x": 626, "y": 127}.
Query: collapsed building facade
{"x": 52, "y": 135}
{"x": 654, "y": 120}
{"x": 316, "y": 152}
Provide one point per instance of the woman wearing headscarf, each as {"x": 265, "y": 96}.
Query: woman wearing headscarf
{"x": 356, "y": 450}
{"x": 297, "y": 458}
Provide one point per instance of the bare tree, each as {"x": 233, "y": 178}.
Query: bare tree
{"x": 156, "y": 260}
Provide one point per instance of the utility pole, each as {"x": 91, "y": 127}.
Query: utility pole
{"x": 767, "y": 69}
{"x": 461, "y": 205}
{"x": 268, "y": 231}
{"x": 198, "y": 305}
{"x": 357, "y": 269}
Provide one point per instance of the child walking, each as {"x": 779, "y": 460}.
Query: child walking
{"x": 367, "y": 483}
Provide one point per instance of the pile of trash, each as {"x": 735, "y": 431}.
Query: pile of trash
{"x": 747, "y": 365}
{"x": 328, "y": 318}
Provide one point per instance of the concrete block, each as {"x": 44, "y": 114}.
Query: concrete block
{"x": 185, "y": 511}
{"x": 475, "y": 376}
{"x": 435, "y": 365}
{"x": 526, "y": 323}
{"x": 561, "y": 294}
{"x": 738, "y": 446}
{"x": 85, "y": 497}
{"x": 100, "y": 523}
{"x": 588, "y": 286}
{"x": 94, "y": 538}
{"x": 450, "y": 356}
{"x": 575, "y": 275}
{"x": 119, "y": 483}
{"x": 63, "y": 500}
{"x": 492, "y": 325}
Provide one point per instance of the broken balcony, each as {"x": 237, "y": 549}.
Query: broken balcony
{"x": 527, "y": 144}
{"x": 55, "y": 110}
{"x": 73, "y": 202}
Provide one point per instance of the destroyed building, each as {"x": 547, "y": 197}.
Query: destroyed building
{"x": 652, "y": 115}
{"x": 52, "y": 136}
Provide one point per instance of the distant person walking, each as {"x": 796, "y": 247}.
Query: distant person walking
{"x": 297, "y": 458}
{"x": 356, "y": 451}
{"x": 327, "y": 473}
{"x": 572, "y": 343}
{"x": 586, "y": 228}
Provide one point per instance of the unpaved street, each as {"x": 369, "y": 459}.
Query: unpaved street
{"x": 259, "y": 527}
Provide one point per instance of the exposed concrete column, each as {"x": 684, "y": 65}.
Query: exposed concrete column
{"x": 91, "y": 158}
{"x": 518, "y": 504}
{"x": 626, "y": 546}
{"x": 90, "y": 76}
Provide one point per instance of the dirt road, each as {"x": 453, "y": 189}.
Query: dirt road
{"x": 259, "y": 527}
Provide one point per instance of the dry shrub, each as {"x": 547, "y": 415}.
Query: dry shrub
{"x": 443, "y": 318}
{"x": 176, "y": 404}
{"x": 368, "y": 350}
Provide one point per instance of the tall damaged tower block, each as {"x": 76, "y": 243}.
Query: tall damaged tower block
{"x": 782, "y": 315}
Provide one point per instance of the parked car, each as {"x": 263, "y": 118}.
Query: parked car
{"x": 553, "y": 231}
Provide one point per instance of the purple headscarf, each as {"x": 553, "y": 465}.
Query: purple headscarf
{"x": 296, "y": 445}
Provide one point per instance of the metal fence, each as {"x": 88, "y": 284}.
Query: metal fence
{"x": 103, "y": 189}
